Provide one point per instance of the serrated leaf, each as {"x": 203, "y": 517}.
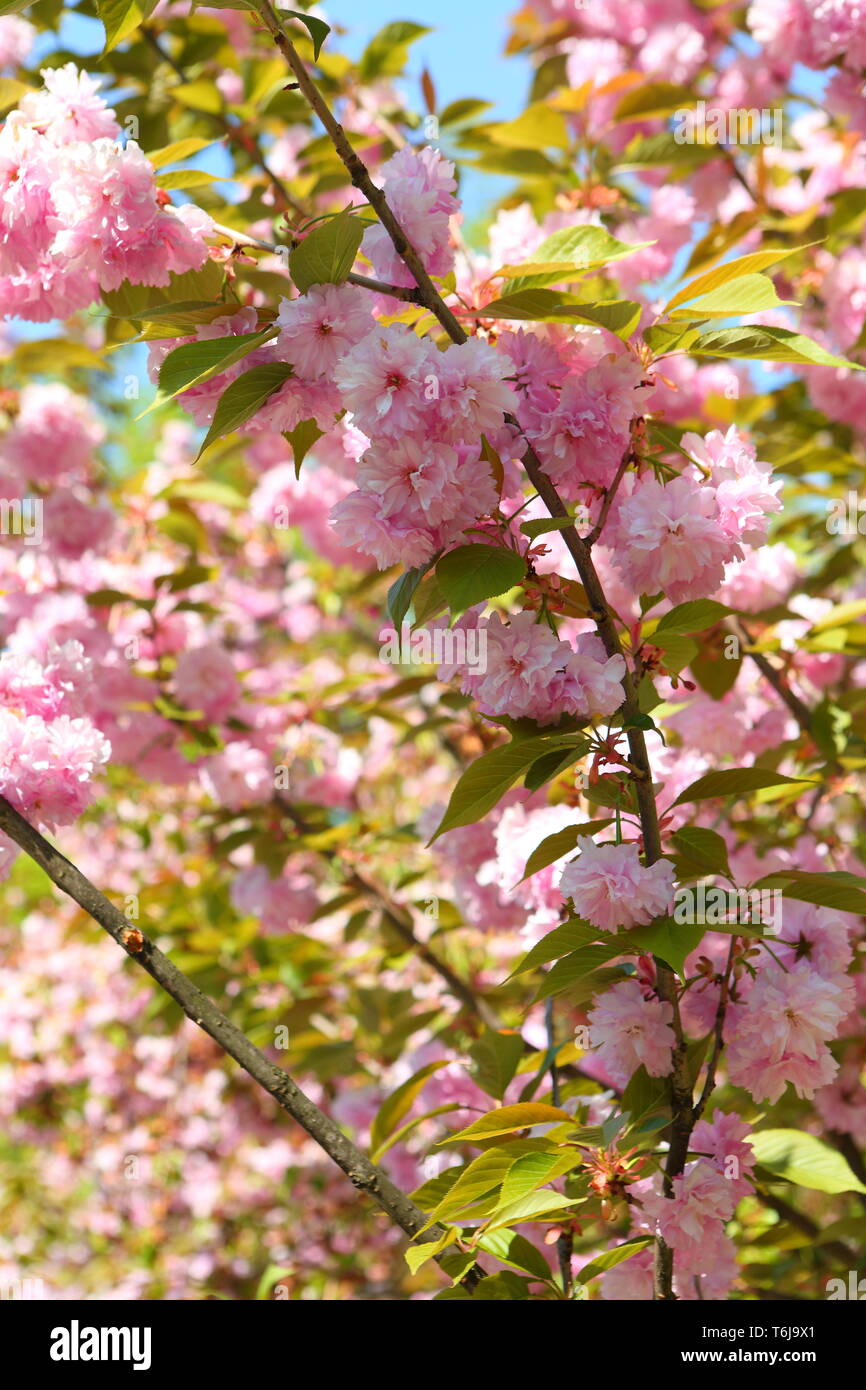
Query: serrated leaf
{"x": 392, "y": 1110}
{"x": 749, "y": 294}
{"x": 671, "y": 941}
{"x": 327, "y": 253}
{"x": 767, "y": 344}
{"x": 509, "y": 1118}
{"x": 609, "y": 1259}
{"x": 489, "y": 777}
{"x": 317, "y": 29}
{"x": 731, "y": 270}
{"x": 554, "y": 846}
{"x": 496, "y": 1055}
{"x": 121, "y": 17}
{"x": 247, "y": 394}
{"x": 804, "y": 1159}
{"x": 736, "y": 781}
{"x": 694, "y": 616}
{"x": 193, "y": 363}
{"x": 705, "y": 848}
{"x": 569, "y": 937}
{"x": 571, "y": 970}
{"x": 470, "y": 574}
{"x": 514, "y": 1249}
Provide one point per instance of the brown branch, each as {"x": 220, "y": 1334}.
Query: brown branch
{"x": 798, "y": 708}
{"x": 204, "y": 1013}
{"x": 429, "y": 296}
{"x": 718, "y": 1036}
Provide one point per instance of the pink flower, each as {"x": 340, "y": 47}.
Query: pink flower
{"x": 612, "y": 889}
{"x": 318, "y": 328}
{"x": 16, "y": 37}
{"x": 780, "y": 1033}
{"x": 73, "y": 525}
{"x": 584, "y": 438}
{"x": 382, "y": 382}
{"x": 239, "y": 776}
{"x": 205, "y": 680}
{"x": 630, "y": 1031}
{"x": 54, "y": 434}
{"x": 415, "y": 497}
{"x": 46, "y": 768}
{"x": 530, "y": 673}
{"x": 668, "y": 538}
{"x": 723, "y": 1139}
{"x": 744, "y": 493}
{"x": 420, "y": 188}
{"x": 702, "y": 1199}
{"x": 69, "y": 107}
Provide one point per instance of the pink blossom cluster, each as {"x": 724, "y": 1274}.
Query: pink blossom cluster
{"x": 420, "y": 188}
{"x": 611, "y": 889}
{"x": 80, "y": 212}
{"x": 678, "y": 537}
{"x": 423, "y": 479}
{"x": 530, "y": 673}
{"x": 49, "y": 757}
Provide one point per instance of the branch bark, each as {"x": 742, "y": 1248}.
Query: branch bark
{"x": 429, "y": 296}
{"x": 363, "y": 1174}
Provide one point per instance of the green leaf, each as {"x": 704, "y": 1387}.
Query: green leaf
{"x": 483, "y": 1175}
{"x": 533, "y": 1171}
{"x": 546, "y": 768}
{"x": 317, "y": 29}
{"x": 768, "y": 345}
{"x": 472, "y": 573}
{"x": 579, "y": 966}
{"x": 554, "y": 846}
{"x": 542, "y": 524}
{"x": 302, "y": 438}
{"x": 824, "y": 890}
{"x": 192, "y": 363}
{"x": 401, "y": 591}
{"x": 731, "y": 270}
{"x": 385, "y": 54}
{"x": 736, "y": 781}
{"x": 180, "y": 149}
{"x": 516, "y": 1250}
{"x": 496, "y": 1056}
{"x": 531, "y": 1207}
{"x": 749, "y": 294}
{"x": 538, "y": 305}
{"x": 247, "y": 394}
{"x": 536, "y": 128}
{"x": 653, "y": 99}
{"x": 121, "y": 17}
{"x": 586, "y": 247}
{"x": 187, "y": 178}
{"x": 568, "y": 937}
{"x": 694, "y": 616}
{"x": 509, "y": 1118}
{"x": 489, "y": 778}
{"x": 456, "y": 112}
{"x": 678, "y": 650}
{"x": 671, "y": 941}
{"x": 705, "y": 848}
{"x": 609, "y": 1259}
{"x": 392, "y": 1110}
{"x": 804, "y": 1159}
{"x": 327, "y": 253}
{"x": 645, "y": 1096}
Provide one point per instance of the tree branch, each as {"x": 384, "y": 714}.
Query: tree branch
{"x": 681, "y": 1089}
{"x": 204, "y": 1013}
